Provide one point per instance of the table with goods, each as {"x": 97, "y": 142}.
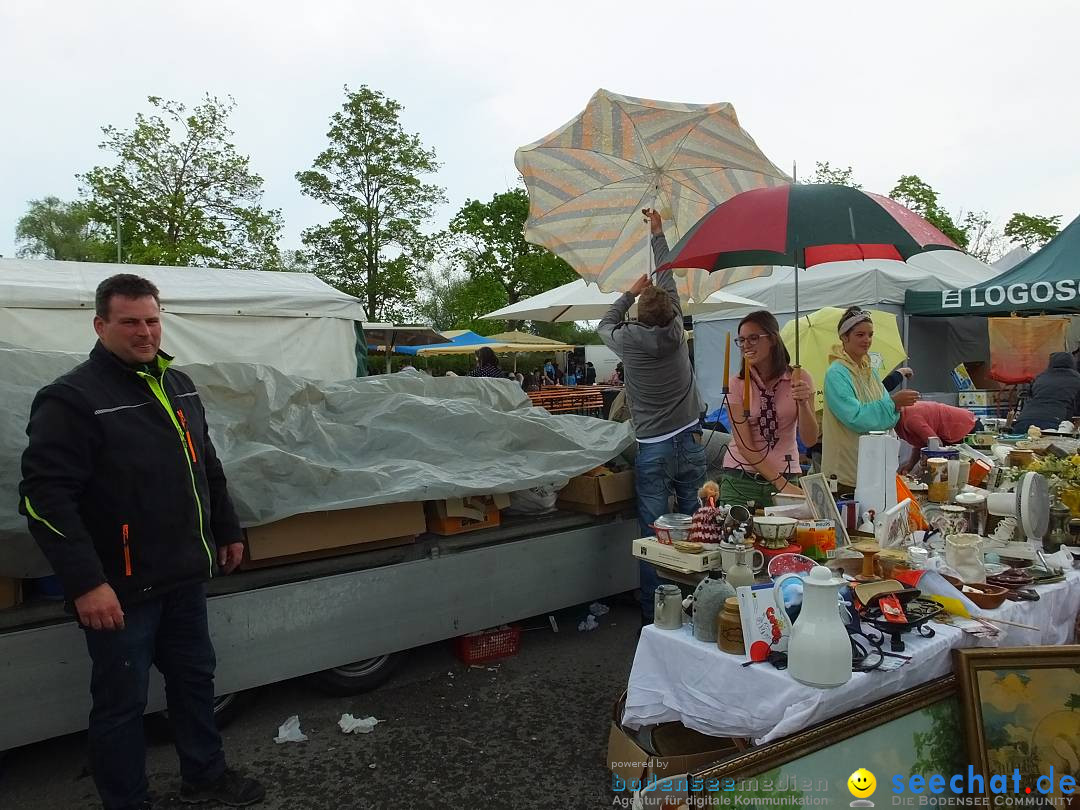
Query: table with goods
{"x": 823, "y": 605}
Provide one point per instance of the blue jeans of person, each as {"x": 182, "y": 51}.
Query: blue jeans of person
{"x": 675, "y": 466}
{"x": 171, "y": 632}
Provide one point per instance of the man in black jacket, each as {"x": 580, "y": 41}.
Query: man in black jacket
{"x": 125, "y": 495}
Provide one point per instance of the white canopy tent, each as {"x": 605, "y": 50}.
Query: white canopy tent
{"x": 933, "y": 348}
{"x": 578, "y": 301}
{"x": 292, "y": 321}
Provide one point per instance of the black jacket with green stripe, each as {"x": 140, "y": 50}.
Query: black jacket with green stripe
{"x": 121, "y": 483}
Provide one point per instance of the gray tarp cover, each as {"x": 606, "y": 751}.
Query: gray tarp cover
{"x": 290, "y": 445}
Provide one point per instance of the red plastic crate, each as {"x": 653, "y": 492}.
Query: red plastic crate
{"x": 488, "y": 645}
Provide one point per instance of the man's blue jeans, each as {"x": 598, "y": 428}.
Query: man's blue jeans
{"x": 675, "y": 466}
{"x": 169, "y": 631}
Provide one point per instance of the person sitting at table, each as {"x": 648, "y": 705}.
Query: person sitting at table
{"x": 924, "y": 419}
{"x": 856, "y": 402}
{"x": 764, "y": 457}
{"x": 487, "y": 364}
{"x": 1055, "y": 396}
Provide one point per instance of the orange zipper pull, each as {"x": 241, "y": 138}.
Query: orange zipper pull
{"x": 127, "y": 550}
{"x": 187, "y": 436}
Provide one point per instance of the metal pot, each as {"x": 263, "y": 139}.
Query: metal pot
{"x": 672, "y": 528}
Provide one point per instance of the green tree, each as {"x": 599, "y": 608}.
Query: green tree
{"x": 54, "y": 229}
{"x": 185, "y": 195}
{"x": 824, "y": 173}
{"x": 491, "y": 245}
{"x": 912, "y": 191}
{"x": 1032, "y": 230}
{"x": 984, "y": 241}
{"x": 1073, "y": 702}
{"x": 370, "y": 174}
{"x": 449, "y": 301}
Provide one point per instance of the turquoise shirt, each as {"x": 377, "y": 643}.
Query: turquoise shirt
{"x": 857, "y": 416}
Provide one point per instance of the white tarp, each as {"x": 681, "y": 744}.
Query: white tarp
{"x": 291, "y": 445}
{"x": 292, "y": 321}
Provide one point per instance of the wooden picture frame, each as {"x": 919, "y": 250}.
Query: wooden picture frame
{"x": 838, "y": 740}
{"x": 823, "y": 505}
{"x": 1021, "y": 708}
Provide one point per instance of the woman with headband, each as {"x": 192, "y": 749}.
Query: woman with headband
{"x": 764, "y": 456}
{"x": 856, "y": 402}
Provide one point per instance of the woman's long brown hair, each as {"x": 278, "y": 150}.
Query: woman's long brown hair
{"x": 779, "y": 359}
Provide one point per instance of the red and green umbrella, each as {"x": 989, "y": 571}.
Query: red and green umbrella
{"x": 802, "y": 226}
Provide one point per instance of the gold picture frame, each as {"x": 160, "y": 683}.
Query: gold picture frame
{"x": 774, "y": 761}
{"x": 1021, "y": 709}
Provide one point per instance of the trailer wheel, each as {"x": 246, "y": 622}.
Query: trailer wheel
{"x": 359, "y": 676}
{"x": 227, "y": 708}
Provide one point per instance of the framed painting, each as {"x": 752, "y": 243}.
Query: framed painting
{"x": 916, "y": 733}
{"x": 823, "y": 505}
{"x": 1021, "y": 712}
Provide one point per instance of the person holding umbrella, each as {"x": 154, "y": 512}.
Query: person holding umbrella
{"x": 662, "y": 392}
{"x": 856, "y": 402}
{"x": 764, "y": 458}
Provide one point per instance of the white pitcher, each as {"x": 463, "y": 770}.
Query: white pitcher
{"x": 819, "y": 653}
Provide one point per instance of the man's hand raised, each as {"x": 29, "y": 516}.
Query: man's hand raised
{"x": 99, "y": 609}
{"x": 640, "y": 286}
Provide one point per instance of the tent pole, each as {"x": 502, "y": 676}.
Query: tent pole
{"x": 795, "y": 256}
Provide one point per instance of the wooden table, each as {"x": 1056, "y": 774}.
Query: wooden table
{"x": 584, "y": 400}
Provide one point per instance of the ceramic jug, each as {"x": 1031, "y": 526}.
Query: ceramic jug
{"x": 741, "y": 573}
{"x": 732, "y": 553}
{"x": 819, "y": 652}
{"x": 709, "y": 599}
{"x": 667, "y": 607}
{"x": 963, "y": 554}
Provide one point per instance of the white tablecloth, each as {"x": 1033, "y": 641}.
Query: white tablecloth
{"x": 676, "y": 677}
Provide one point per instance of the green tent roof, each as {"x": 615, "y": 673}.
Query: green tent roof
{"x": 1046, "y": 282}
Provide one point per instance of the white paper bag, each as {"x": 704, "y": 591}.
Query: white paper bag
{"x": 875, "y": 483}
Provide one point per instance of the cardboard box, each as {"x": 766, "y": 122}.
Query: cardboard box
{"x": 341, "y": 531}
{"x": 599, "y": 494}
{"x": 459, "y": 515}
{"x": 977, "y": 399}
{"x": 680, "y": 750}
{"x": 652, "y": 550}
{"x": 10, "y": 592}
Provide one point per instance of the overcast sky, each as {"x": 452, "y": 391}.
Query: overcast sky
{"x": 978, "y": 98}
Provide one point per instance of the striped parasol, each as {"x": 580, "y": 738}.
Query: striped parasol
{"x": 589, "y": 180}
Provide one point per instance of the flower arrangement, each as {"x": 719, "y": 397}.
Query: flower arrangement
{"x": 1061, "y": 473}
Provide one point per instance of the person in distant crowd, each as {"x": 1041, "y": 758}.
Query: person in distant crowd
{"x": 528, "y": 383}
{"x": 487, "y": 364}
{"x": 616, "y": 377}
{"x": 560, "y": 376}
{"x": 856, "y": 402}
{"x": 590, "y": 374}
{"x": 1055, "y": 396}
{"x": 549, "y": 372}
{"x": 664, "y": 402}
{"x": 124, "y": 493}
{"x": 923, "y": 419}
{"x": 450, "y": 374}
{"x": 408, "y": 367}
{"x": 520, "y": 378}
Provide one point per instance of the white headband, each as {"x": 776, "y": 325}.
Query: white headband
{"x": 862, "y": 316}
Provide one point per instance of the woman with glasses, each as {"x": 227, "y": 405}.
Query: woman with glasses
{"x": 764, "y": 456}
{"x": 856, "y": 402}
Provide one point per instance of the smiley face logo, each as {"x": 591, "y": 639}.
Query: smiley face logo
{"x": 862, "y": 784}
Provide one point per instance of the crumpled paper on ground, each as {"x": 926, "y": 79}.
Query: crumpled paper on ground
{"x": 357, "y": 725}
{"x": 289, "y": 731}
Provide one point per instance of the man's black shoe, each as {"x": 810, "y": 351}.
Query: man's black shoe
{"x": 230, "y": 788}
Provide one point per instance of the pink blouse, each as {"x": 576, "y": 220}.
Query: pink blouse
{"x": 787, "y": 417}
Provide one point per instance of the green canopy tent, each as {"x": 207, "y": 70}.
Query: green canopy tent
{"x": 1048, "y": 282}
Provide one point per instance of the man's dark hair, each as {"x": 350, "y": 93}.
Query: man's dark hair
{"x": 654, "y": 307}
{"x": 127, "y": 285}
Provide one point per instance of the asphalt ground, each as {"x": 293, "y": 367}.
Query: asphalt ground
{"x": 525, "y": 732}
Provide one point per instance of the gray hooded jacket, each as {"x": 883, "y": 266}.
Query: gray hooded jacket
{"x": 660, "y": 380}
